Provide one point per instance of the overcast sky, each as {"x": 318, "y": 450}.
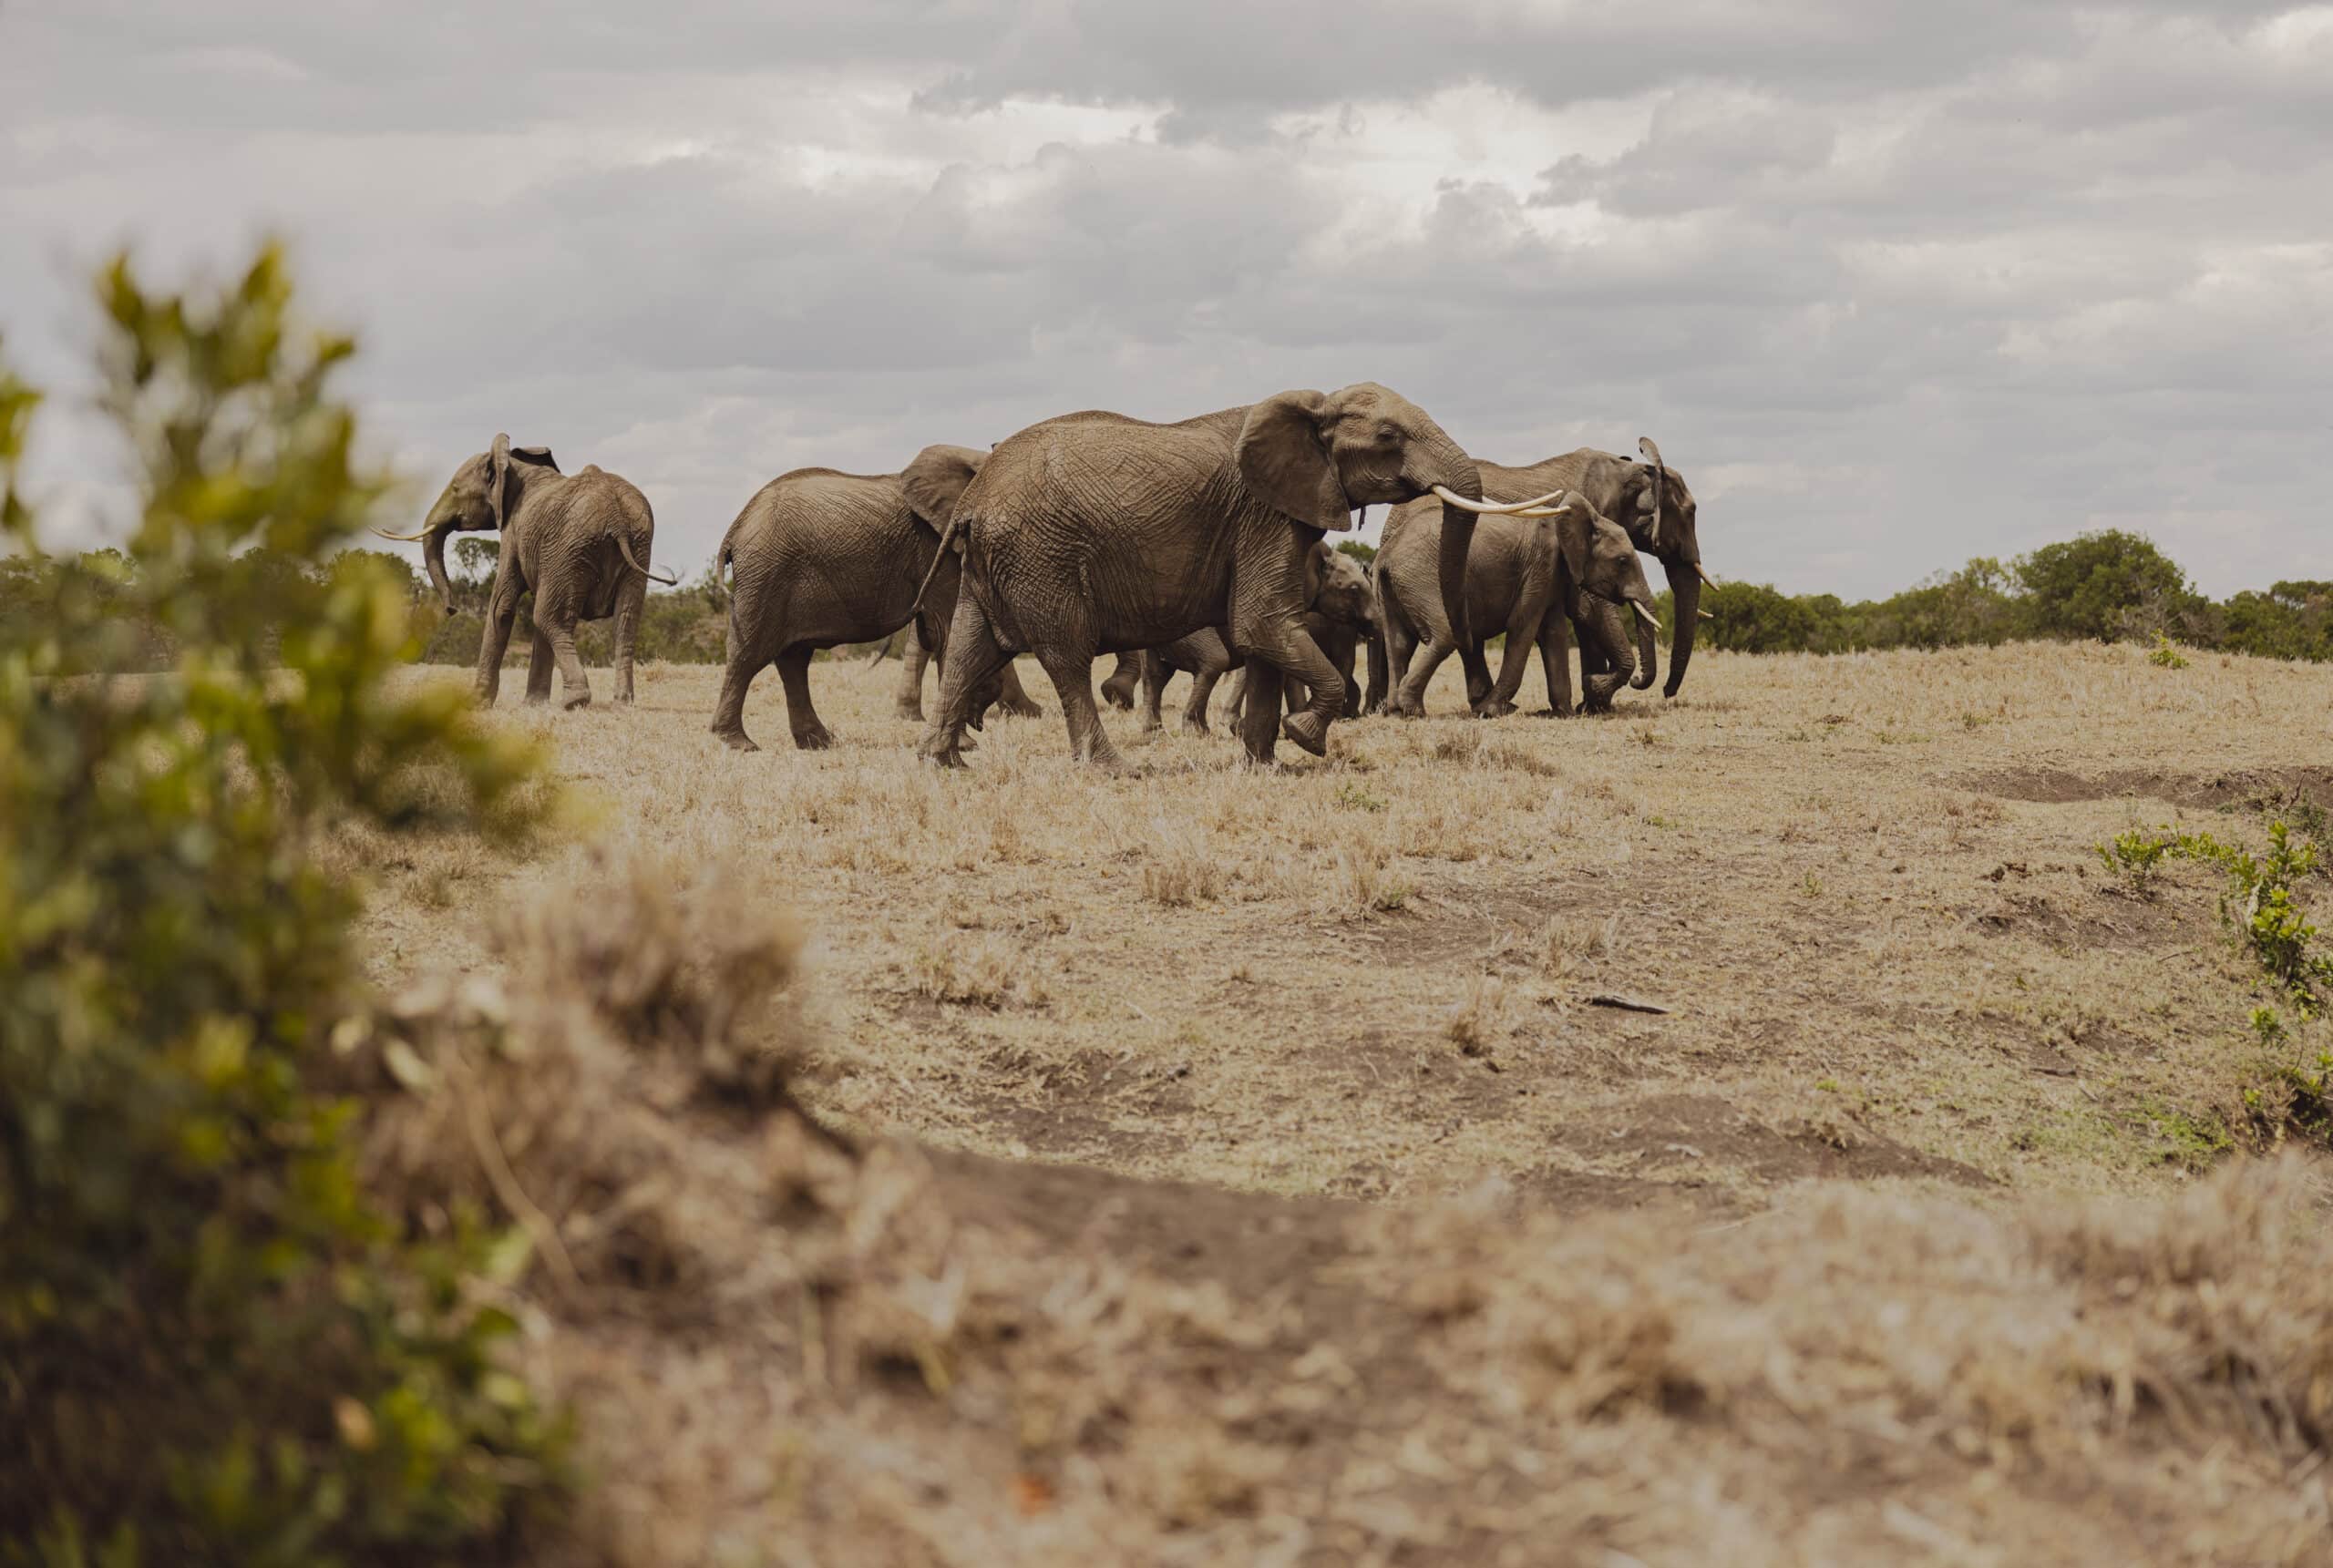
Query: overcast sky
{"x": 1892, "y": 283}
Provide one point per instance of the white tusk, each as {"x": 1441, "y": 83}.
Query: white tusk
{"x": 1504, "y": 507}
{"x": 1542, "y": 511}
{"x": 402, "y": 538}
{"x": 1702, "y": 575}
{"x": 1705, "y": 615}
{"x": 1650, "y": 619}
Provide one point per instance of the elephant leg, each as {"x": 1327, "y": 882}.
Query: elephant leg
{"x": 801, "y": 718}
{"x": 1155, "y": 676}
{"x": 1555, "y": 660}
{"x": 1203, "y": 694}
{"x": 574, "y": 691}
{"x": 970, "y": 655}
{"x": 1257, "y": 713}
{"x": 630, "y": 603}
{"x": 501, "y": 616}
{"x": 1411, "y": 699}
{"x": 1072, "y": 669}
{"x": 1401, "y": 648}
{"x": 539, "y": 670}
{"x": 1515, "y": 662}
{"x": 736, "y": 680}
{"x": 1372, "y": 701}
{"x": 1012, "y": 698}
{"x": 913, "y": 657}
{"x": 1118, "y": 689}
{"x": 1285, "y": 643}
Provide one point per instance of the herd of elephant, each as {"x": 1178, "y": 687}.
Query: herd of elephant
{"x": 1199, "y": 546}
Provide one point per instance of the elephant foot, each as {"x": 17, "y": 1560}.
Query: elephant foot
{"x": 623, "y": 699}
{"x": 580, "y": 700}
{"x": 1115, "y": 696}
{"x": 817, "y": 740}
{"x": 940, "y": 753}
{"x": 1195, "y": 727}
{"x": 1028, "y": 710}
{"x": 911, "y": 711}
{"x": 1493, "y": 709}
{"x": 1308, "y": 730}
{"x": 737, "y": 740}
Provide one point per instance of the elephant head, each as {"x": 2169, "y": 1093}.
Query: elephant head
{"x": 475, "y": 499}
{"x": 1337, "y": 587}
{"x": 936, "y": 478}
{"x": 1662, "y": 521}
{"x": 1318, "y": 456}
{"x": 1608, "y": 596}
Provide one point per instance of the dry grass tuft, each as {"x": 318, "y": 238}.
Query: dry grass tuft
{"x": 1182, "y": 869}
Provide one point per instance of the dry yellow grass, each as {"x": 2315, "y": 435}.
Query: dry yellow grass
{"x": 1864, "y": 886}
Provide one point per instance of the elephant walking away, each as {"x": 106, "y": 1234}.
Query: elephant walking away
{"x": 1533, "y": 577}
{"x": 821, "y": 558}
{"x": 579, "y": 542}
{"x": 1338, "y": 615}
{"x": 1097, "y": 533}
{"x": 1011, "y": 697}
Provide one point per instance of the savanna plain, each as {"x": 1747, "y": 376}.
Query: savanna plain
{"x": 1240, "y": 1165}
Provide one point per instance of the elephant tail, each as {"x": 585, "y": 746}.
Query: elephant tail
{"x": 624, "y": 545}
{"x": 947, "y": 537}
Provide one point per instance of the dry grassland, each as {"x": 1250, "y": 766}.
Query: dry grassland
{"x": 1865, "y": 888}
{"x": 1889, "y": 1242}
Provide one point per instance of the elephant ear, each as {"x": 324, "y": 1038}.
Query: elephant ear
{"x": 1573, "y": 523}
{"x": 936, "y": 479}
{"x": 1317, "y": 563}
{"x": 1282, "y": 454}
{"x": 538, "y": 455}
{"x": 498, "y": 474}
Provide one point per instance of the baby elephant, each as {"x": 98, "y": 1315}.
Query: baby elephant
{"x": 579, "y": 542}
{"x": 1339, "y": 614}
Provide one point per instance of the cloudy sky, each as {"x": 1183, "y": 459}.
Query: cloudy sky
{"x": 1892, "y": 284}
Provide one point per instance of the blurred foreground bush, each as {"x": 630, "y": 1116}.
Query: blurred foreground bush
{"x": 214, "y": 1347}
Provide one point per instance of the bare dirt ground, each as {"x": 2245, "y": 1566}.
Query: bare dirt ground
{"x": 1241, "y": 1171}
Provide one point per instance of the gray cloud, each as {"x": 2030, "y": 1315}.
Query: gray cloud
{"x": 1895, "y": 285}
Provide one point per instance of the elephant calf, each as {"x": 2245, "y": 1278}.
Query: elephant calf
{"x": 821, "y": 558}
{"x": 579, "y": 542}
{"x": 914, "y": 657}
{"x": 1339, "y": 614}
{"x": 1532, "y": 577}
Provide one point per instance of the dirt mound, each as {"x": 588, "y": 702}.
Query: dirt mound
{"x": 780, "y": 1340}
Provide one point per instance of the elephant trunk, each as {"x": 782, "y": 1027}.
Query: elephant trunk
{"x": 1685, "y": 588}
{"x": 1648, "y": 655}
{"x": 1454, "y": 471}
{"x": 433, "y": 556}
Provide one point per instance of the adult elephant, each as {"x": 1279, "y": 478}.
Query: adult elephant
{"x": 1098, "y": 533}
{"x": 580, "y": 543}
{"x": 821, "y": 558}
{"x": 1532, "y": 577}
{"x": 914, "y": 657}
{"x": 1339, "y": 614}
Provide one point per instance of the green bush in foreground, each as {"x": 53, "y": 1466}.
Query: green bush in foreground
{"x": 213, "y": 1347}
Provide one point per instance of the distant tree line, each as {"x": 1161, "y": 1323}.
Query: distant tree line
{"x": 2108, "y": 586}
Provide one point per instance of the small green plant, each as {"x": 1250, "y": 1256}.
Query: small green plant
{"x": 2165, "y": 656}
{"x": 2137, "y": 859}
{"x": 1810, "y": 887}
{"x": 1354, "y": 796}
{"x": 2268, "y": 1027}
